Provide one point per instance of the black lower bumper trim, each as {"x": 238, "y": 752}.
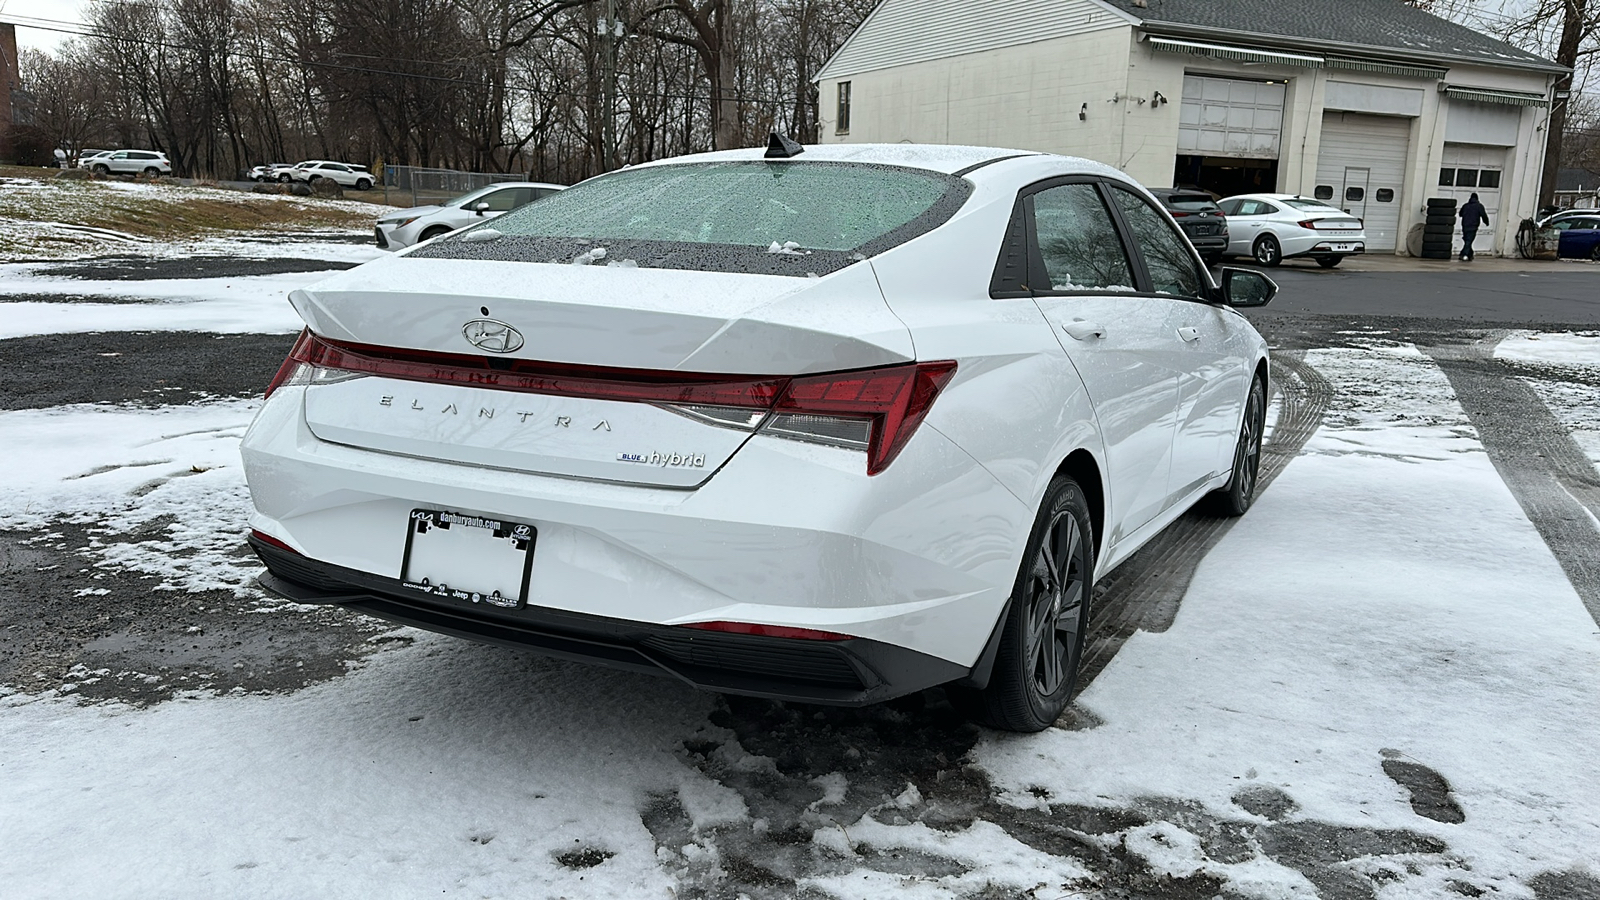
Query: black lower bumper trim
{"x": 853, "y": 672}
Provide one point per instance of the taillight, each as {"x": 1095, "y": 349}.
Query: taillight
{"x": 876, "y": 410}
{"x": 1308, "y": 224}
{"x": 777, "y": 631}
{"x": 1178, "y": 213}
{"x": 293, "y": 361}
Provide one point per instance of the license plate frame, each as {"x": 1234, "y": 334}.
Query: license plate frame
{"x": 496, "y": 572}
{"x": 1344, "y": 247}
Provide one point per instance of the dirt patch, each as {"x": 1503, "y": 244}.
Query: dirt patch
{"x": 105, "y": 634}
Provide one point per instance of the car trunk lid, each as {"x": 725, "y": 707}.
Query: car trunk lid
{"x": 641, "y": 376}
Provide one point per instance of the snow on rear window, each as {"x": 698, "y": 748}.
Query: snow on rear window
{"x": 813, "y": 206}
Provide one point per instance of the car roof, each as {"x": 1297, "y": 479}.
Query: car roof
{"x": 945, "y": 158}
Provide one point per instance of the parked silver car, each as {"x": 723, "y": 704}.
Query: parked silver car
{"x": 1274, "y": 227}
{"x": 405, "y": 227}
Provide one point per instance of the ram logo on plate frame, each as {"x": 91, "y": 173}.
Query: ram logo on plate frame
{"x": 492, "y": 335}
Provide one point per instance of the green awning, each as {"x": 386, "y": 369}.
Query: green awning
{"x": 1490, "y": 95}
{"x": 1384, "y": 68}
{"x": 1238, "y": 54}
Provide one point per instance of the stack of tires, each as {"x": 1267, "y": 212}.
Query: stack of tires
{"x": 1438, "y": 230}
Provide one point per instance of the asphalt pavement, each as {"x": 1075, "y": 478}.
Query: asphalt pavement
{"x": 1545, "y": 294}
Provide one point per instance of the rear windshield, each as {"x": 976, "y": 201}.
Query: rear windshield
{"x": 1309, "y": 205}
{"x": 1190, "y": 202}
{"x": 783, "y": 218}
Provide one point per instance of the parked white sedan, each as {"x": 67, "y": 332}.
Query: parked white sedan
{"x": 402, "y": 228}
{"x": 1274, "y": 227}
{"x": 832, "y": 427}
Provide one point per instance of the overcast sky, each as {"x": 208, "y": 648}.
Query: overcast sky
{"x": 68, "y": 11}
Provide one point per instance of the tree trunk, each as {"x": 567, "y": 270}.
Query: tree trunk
{"x": 1572, "y": 30}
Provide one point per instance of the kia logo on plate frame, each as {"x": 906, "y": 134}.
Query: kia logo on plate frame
{"x": 492, "y": 335}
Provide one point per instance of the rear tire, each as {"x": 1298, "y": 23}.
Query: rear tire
{"x": 152, "y": 171}
{"x": 1328, "y": 262}
{"x": 1267, "y": 251}
{"x": 1042, "y": 637}
{"x": 363, "y": 185}
{"x": 1234, "y": 498}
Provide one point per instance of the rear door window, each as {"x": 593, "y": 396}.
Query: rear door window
{"x": 1077, "y": 241}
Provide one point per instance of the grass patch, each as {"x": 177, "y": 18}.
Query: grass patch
{"x": 44, "y": 217}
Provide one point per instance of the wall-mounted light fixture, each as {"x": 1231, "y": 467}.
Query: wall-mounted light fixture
{"x": 1083, "y": 112}
{"x": 1158, "y": 99}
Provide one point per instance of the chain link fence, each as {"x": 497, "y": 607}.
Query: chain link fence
{"x": 417, "y": 186}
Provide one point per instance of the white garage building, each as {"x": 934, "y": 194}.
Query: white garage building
{"x": 1372, "y": 105}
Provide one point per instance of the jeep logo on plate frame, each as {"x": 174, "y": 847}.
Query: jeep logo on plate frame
{"x": 492, "y": 335}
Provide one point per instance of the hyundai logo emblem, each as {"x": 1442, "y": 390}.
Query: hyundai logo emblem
{"x": 492, "y": 335}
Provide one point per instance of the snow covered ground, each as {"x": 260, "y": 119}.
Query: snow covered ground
{"x": 1564, "y": 370}
{"x": 1383, "y": 622}
{"x": 1380, "y": 684}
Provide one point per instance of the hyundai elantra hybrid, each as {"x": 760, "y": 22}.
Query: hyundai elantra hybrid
{"x": 828, "y": 424}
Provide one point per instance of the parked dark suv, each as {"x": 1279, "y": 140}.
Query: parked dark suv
{"x": 1201, "y": 219}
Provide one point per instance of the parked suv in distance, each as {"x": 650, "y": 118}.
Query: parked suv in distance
{"x": 131, "y": 162}
{"x": 343, "y": 174}
{"x": 1201, "y": 219}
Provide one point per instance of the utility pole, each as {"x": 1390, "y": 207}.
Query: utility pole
{"x": 610, "y": 32}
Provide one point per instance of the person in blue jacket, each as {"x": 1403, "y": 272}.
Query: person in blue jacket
{"x": 1472, "y": 215}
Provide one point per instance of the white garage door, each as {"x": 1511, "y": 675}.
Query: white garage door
{"x": 1361, "y": 168}
{"x": 1229, "y": 117}
{"x": 1474, "y": 169}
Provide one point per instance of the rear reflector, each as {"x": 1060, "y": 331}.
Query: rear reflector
{"x": 272, "y": 541}
{"x": 876, "y": 410}
{"x": 777, "y": 631}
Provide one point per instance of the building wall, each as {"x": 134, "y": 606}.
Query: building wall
{"x": 1029, "y": 97}
{"x": 8, "y": 85}
{"x": 1021, "y": 96}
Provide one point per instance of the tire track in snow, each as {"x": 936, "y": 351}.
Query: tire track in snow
{"x": 1545, "y": 469}
{"x": 1144, "y": 593}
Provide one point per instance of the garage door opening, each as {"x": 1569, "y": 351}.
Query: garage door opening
{"x": 1229, "y": 130}
{"x": 1225, "y": 176}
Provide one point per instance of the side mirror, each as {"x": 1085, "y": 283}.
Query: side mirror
{"x": 1244, "y": 287}
{"x": 481, "y": 206}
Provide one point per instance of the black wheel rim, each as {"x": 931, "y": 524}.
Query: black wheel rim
{"x": 1055, "y": 605}
{"x": 1250, "y": 443}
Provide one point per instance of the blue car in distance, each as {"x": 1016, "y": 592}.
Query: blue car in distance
{"x": 1580, "y": 237}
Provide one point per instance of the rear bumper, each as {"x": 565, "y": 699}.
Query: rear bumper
{"x": 853, "y": 672}
{"x": 922, "y": 556}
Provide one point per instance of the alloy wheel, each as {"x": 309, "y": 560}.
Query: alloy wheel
{"x": 1267, "y": 251}
{"x": 1250, "y": 444}
{"x": 1055, "y": 605}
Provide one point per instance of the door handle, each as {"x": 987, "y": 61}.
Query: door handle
{"x": 1082, "y": 330}
{"x": 1189, "y": 333}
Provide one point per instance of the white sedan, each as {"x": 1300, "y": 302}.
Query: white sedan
{"x": 405, "y": 227}
{"x": 832, "y": 427}
{"x": 1274, "y": 227}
